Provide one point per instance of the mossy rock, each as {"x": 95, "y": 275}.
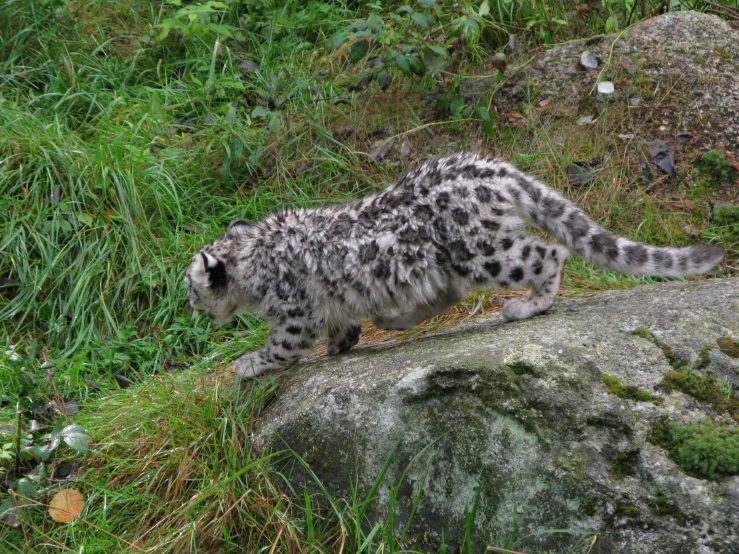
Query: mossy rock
{"x": 519, "y": 413}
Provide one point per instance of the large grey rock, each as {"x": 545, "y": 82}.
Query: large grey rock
{"x": 520, "y": 411}
{"x": 683, "y": 66}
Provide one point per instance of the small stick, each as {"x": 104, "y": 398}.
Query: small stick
{"x": 60, "y": 404}
{"x": 18, "y": 441}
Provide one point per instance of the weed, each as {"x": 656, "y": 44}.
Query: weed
{"x": 704, "y": 359}
{"x": 717, "y": 167}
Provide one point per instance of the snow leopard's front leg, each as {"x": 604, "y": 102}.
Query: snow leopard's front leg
{"x": 287, "y": 343}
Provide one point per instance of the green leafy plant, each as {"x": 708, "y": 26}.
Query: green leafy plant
{"x": 25, "y": 485}
{"x": 407, "y": 40}
{"x": 74, "y": 436}
{"x": 197, "y": 20}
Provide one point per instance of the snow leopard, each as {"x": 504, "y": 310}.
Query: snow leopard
{"x": 408, "y": 253}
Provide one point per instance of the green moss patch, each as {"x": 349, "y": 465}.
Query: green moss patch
{"x": 715, "y": 165}
{"x": 704, "y": 358}
{"x": 643, "y": 333}
{"x": 628, "y": 511}
{"x": 728, "y": 346}
{"x": 660, "y": 506}
{"x": 706, "y": 449}
{"x": 702, "y": 387}
{"x": 625, "y": 464}
{"x": 632, "y": 393}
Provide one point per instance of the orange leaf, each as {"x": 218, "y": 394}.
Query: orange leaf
{"x": 66, "y": 505}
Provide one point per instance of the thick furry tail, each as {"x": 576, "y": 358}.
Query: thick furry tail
{"x": 550, "y": 211}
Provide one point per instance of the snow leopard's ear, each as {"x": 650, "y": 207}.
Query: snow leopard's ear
{"x": 238, "y": 227}
{"x": 215, "y": 269}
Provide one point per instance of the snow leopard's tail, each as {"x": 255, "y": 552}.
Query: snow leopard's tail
{"x": 550, "y": 211}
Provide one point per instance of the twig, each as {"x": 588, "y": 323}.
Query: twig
{"x": 720, "y": 9}
{"x": 658, "y": 10}
{"x": 657, "y": 107}
{"x": 18, "y": 441}
{"x": 58, "y": 400}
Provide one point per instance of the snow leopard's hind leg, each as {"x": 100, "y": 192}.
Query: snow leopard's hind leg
{"x": 401, "y": 320}
{"x": 343, "y": 339}
{"x": 541, "y": 267}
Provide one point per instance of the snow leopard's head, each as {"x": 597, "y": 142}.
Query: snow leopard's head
{"x": 207, "y": 287}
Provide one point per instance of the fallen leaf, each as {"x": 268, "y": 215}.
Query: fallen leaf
{"x": 515, "y": 119}
{"x": 680, "y": 202}
{"x": 380, "y": 148}
{"x": 513, "y": 46}
{"x": 662, "y": 156}
{"x": 248, "y": 66}
{"x": 732, "y": 159}
{"x": 122, "y": 381}
{"x": 405, "y": 147}
{"x": 36, "y": 427}
{"x": 343, "y": 132}
{"x": 303, "y": 168}
{"x": 71, "y": 406}
{"x": 580, "y": 173}
{"x": 384, "y": 79}
{"x": 361, "y": 82}
{"x": 66, "y": 505}
{"x": 64, "y": 470}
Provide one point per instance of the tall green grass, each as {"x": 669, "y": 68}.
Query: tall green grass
{"x": 120, "y": 156}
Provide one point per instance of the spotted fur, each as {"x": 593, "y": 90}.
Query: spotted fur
{"x": 406, "y": 254}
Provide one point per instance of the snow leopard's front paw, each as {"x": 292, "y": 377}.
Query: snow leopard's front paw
{"x": 249, "y": 367}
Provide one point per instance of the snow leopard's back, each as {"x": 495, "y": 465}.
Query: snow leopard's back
{"x": 459, "y": 218}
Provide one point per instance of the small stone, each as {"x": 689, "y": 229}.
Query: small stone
{"x": 589, "y": 61}
{"x": 605, "y": 87}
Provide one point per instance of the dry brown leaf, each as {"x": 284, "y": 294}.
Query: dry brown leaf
{"x": 66, "y": 505}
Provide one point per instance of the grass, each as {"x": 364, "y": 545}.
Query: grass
{"x": 121, "y": 155}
